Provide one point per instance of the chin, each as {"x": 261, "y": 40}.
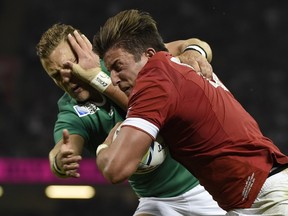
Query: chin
{"x": 127, "y": 92}
{"x": 83, "y": 96}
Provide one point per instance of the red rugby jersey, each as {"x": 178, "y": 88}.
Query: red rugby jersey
{"x": 206, "y": 130}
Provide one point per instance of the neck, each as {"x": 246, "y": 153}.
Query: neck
{"x": 99, "y": 99}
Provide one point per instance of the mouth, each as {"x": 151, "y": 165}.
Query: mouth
{"x": 124, "y": 89}
{"x": 76, "y": 89}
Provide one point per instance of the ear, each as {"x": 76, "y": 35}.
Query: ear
{"x": 150, "y": 52}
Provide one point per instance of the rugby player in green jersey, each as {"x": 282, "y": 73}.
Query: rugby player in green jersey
{"x": 90, "y": 114}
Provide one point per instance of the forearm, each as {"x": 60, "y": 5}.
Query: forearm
{"x": 102, "y": 83}
{"x": 105, "y": 155}
{"x": 119, "y": 159}
{"x": 110, "y": 168}
{"x": 116, "y": 95}
{"x": 202, "y": 44}
{"x": 176, "y": 48}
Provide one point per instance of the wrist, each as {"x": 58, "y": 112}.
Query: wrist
{"x": 56, "y": 168}
{"x": 196, "y": 48}
{"x": 100, "y": 148}
{"x": 101, "y": 81}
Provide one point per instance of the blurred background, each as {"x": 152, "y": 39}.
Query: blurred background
{"x": 248, "y": 39}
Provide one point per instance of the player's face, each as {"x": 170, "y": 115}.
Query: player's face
{"x": 62, "y": 76}
{"x": 123, "y": 68}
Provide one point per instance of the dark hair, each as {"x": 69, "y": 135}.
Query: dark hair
{"x": 52, "y": 38}
{"x": 131, "y": 30}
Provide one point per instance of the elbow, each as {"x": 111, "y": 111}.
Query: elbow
{"x": 113, "y": 171}
{"x": 113, "y": 179}
{"x": 115, "y": 175}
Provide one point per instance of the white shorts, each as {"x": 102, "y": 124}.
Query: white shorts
{"x": 272, "y": 199}
{"x": 194, "y": 202}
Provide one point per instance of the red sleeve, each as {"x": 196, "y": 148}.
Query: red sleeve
{"x": 152, "y": 97}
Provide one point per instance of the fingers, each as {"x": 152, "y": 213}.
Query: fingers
{"x": 86, "y": 57}
{"x": 71, "y": 166}
{"x": 74, "y": 68}
{"x": 66, "y": 151}
{"x": 199, "y": 63}
{"x": 75, "y": 45}
{"x": 67, "y": 161}
{"x": 206, "y": 70}
{"x": 88, "y": 43}
{"x": 71, "y": 160}
{"x": 65, "y": 136}
{"x": 79, "y": 42}
{"x": 196, "y": 66}
{"x": 84, "y": 75}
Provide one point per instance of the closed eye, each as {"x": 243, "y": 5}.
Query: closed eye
{"x": 117, "y": 67}
{"x": 55, "y": 75}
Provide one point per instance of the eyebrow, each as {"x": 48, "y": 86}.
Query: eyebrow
{"x": 113, "y": 65}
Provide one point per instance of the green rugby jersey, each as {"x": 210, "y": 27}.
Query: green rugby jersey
{"x": 88, "y": 120}
{"x": 93, "y": 123}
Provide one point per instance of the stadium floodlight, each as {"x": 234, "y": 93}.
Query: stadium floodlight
{"x": 70, "y": 192}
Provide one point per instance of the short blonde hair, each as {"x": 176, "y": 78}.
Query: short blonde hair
{"x": 52, "y": 38}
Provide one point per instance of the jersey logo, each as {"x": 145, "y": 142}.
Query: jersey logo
{"x": 249, "y": 183}
{"x": 86, "y": 109}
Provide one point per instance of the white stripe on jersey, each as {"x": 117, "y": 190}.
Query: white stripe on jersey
{"x": 142, "y": 124}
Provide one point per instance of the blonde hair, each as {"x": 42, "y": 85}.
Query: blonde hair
{"x": 52, "y": 38}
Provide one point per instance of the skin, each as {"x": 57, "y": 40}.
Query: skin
{"x": 68, "y": 150}
{"x": 121, "y": 158}
{"x": 124, "y": 69}
{"x": 59, "y": 72}
{"x": 56, "y": 68}
{"x": 61, "y": 66}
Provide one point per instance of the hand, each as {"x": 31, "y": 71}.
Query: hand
{"x": 88, "y": 65}
{"x": 198, "y": 62}
{"x": 66, "y": 159}
{"x": 87, "y": 58}
{"x": 109, "y": 139}
{"x": 86, "y": 75}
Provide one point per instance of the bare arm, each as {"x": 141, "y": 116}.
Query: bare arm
{"x": 188, "y": 52}
{"x": 88, "y": 68}
{"x": 121, "y": 159}
{"x": 111, "y": 91}
{"x": 176, "y": 48}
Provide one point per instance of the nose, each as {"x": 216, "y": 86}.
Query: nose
{"x": 114, "y": 77}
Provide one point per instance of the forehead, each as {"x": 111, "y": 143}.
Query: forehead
{"x": 61, "y": 54}
{"x": 114, "y": 55}
{"x": 62, "y": 51}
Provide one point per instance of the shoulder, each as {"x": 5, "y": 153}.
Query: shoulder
{"x": 65, "y": 100}
{"x": 161, "y": 56}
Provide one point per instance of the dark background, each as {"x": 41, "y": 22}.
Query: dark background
{"x": 248, "y": 39}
